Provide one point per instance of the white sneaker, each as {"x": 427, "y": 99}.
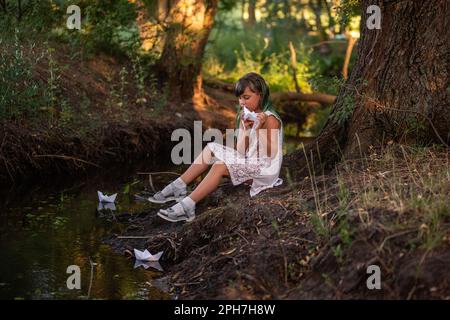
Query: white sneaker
{"x": 178, "y": 212}
{"x": 160, "y": 198}
{"x": 176, "y": 190}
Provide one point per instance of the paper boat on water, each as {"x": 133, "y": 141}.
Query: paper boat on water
{"x": 104, "y": 198}
{"x": 146, "y": 255}
{"x": 106, "y": 206}
{"x": 148, "y": 264}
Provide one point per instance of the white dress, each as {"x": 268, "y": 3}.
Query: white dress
{"x": 262, "y": 169}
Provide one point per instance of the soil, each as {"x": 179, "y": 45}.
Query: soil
{"x": 266, "y": 247}
{"x": 103, "y": 134}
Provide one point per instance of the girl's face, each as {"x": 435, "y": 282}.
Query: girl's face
{"x": 250, "y": 100}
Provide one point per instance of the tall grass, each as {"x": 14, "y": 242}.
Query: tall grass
{"x": 413, "y": 182}
{"x": 20, "y": 94}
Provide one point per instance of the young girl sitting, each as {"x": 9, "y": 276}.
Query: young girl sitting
{"x": 256, "y": 158}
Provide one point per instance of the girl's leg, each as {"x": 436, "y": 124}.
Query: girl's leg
{"x": 185, "y": 209}
{"x": 210, "y": 182}
{"x": 200, "y": 164}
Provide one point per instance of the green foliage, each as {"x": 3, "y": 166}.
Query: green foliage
{"x": 122, "y": 95}
{"x": 141, "y": 74}
{"x": 234, "y": 45}
{"x": 434, "y": 227}
{"x": 347, "y": 9}
{"x": 107, "y": 26}
{"x": 36, "y": 16}
{"x": 52, "y": 80}
{"x": 320, "y": 226}
{"x": 345, "y": 111}
{"x": 19, "y": 92}
{"x": 23, "y": 95}
{"x": 330, "y": 85}
{"x": 316, "y": 121}
{"x": 275, "y": 68}
{"x": 416, "y": 127}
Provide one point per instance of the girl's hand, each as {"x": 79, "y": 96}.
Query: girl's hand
{"x": 262, "y": 117}
{"x": 247, "y": 123}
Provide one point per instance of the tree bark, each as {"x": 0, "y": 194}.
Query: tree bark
{"x": 251, "y": 13}
{"x": 190, "y": 22}
{"x": 398, "y": 89}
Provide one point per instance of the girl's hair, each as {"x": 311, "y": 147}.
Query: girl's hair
{"x": 254, "y": 81}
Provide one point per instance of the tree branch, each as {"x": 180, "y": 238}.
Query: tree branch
{"x": 322, "y": 98}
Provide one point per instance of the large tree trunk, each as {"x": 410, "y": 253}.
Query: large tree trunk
{"x": 398, "y": 89}
{"x": 190, "y": 22}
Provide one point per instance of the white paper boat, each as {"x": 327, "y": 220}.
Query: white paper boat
{"x": 146, "y": 255}
{"x": 106, "y": 206}
{"x": 104, "y": 198}
{"x": 148, "y": 264}
{"x": 250, "y": 115}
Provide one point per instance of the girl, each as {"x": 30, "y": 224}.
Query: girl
{"x": 256, "y": 158}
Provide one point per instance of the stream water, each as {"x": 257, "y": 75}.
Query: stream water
{"x": 48, "y": 227}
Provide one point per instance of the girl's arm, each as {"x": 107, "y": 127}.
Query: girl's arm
{"x": 242, "y": 139}
{"x": 268, "y": 138}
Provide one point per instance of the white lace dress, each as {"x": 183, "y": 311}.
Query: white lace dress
{"x": 263, "y": 170}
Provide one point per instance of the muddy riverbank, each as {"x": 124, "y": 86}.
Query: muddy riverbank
{"x": 278, "y": 246}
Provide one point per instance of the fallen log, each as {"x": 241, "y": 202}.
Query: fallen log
{"x": 322, "y": 98}
{"x": 318, "y": 97}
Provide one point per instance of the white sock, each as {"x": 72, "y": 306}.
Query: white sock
{"x": 188, "y": 202}
{"x": 178, "y": 184}
{"x": 177, "y": 207}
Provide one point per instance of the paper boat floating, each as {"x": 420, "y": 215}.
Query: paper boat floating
{"x": 106, "y": 206}
{"x": 146, "y": 255}
{"x": 104, "y": 198}
{"x": 148, "y": 264}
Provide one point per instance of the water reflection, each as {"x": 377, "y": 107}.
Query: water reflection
{"x": 44, "y": 232}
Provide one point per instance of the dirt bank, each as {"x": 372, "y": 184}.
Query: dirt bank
{"x": 95, "y": 121}
{"x": 280, "y": 246}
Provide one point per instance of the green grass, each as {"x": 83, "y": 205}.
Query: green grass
{"x": 413, "y": 182}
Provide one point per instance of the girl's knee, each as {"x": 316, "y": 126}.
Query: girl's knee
{"x": 219, "y": 166}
